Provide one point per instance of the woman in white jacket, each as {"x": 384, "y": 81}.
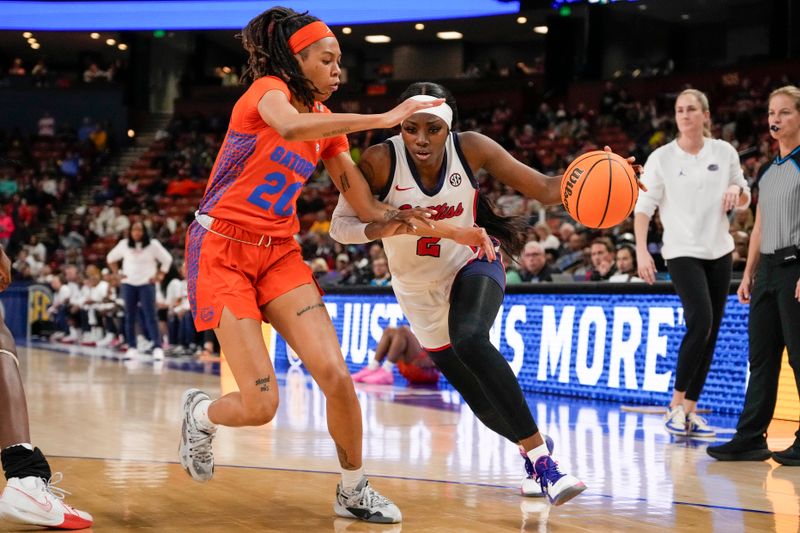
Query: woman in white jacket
{"x": 694, "y": 181}
{"x": 144, "y": 263}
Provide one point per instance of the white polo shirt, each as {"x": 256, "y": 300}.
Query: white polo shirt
{"x": 688, "y": 191}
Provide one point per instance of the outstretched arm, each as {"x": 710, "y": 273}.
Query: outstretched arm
{"x": 483, "y": 152}
{"x": 276, "y": 110}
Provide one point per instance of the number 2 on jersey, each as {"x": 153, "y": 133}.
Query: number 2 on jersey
{"x": 429, "y": 246}
{"x": 275, "y": 183}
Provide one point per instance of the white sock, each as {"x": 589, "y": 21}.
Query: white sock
{"x": 200, "y": 414}
{"x": 350, "y": 478}
{"x": 373, "y": 364}
{"x": 388, "y": 366}
{"x": 538, "y": 452}
{"x": 26, "y": 445}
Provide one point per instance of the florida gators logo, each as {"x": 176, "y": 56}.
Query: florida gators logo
{"x": 207, "y": 314}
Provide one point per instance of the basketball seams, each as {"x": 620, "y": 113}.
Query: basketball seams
{"x": 610, "y": 187}
{"x": 584, "y": 179}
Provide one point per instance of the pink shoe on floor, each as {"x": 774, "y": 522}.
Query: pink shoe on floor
{"x": 380, "y": 377}
{"x": 359, "y": 376}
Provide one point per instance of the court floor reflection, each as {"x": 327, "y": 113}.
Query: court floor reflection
{"x": 115, "y": 427}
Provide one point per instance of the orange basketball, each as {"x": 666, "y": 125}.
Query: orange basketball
{"x": 599, "y": 189}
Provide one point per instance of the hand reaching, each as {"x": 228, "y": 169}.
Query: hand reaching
{"x": 405, "y": 109}
{"x": 637, "y": 169}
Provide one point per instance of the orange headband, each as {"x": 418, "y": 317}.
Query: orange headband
{"x": 309, "y": 34}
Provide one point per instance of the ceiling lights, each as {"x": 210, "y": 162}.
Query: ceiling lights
{"x": 347, "y": 30}
{"x": 542, "y": 30}
{"x": 419, "y": 26}
{"x": 378, "y": 39}
{"x": 449, "y": 35}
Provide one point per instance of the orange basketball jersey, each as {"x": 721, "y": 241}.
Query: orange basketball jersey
{"x": 258, "y": 175}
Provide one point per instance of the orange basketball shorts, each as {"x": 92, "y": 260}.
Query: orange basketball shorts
{"x": 228, "y": 266}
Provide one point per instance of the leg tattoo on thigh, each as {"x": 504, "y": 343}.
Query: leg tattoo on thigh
{"x": 309, "y": 308}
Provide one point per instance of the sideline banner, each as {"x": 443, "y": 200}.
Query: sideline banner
{"x": 619, "y": 347}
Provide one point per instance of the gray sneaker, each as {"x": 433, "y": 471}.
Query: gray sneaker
{"x": 197, "y": 458}
{"x": 365, "y": 503}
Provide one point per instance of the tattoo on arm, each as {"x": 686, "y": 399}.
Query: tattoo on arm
{"x": 345, "y": 183}
{"x": 389, "y": 214}
{"x": 263, "y": 383}
{"x": 309, "y": 308}
{"x": 343, "y": 459}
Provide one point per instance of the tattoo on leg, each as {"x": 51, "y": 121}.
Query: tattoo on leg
{"x": 345, "y": 183}
{"x": 343, "y": 460}
{"x": 263, "y": 383}
{"x": 309, "y": 308}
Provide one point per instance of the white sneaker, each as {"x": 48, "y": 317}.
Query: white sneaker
{"x": 31, "y": 500}
{"x": 131, "y": 353}
{"x": 106, "y": 340}
{"x": 558, "y": 486}
{"x": 197, "y": 457}
{"x": 365, "y": 503}
{"x": 675, "y": 421}
{"x": 697, "y": 426}
{"x": 158, "y": 354}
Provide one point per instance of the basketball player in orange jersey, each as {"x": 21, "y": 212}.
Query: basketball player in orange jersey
{"x": 244, "y": 265}
{"x": 30, "y": 496}
{"x": 449, "y": 292}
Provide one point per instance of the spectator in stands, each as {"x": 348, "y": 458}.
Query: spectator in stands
{"x": 381, "y": 277}
{"x": 99, "y": 137}
{"x": 6, "y": 227}
{"x": 47, "y": 125}
{"x": 546, "y": 237}
{"x": 40, "y": 74}
{"x": 180, "y": 324}
{"x": 93, "y": 74}
{"x": 144, "y": 263}
{"x": 694, "y": 181}
{"x": 743, "y": 220}
{"x": 534, "y": 267}
{"x": 66, "y": 305}
{"x": 626, "y": 265}
{"x": 17, "y": 68}
{"x": 603, "y": 260}
{"x": 36, "y": 249}
{"x": 741, "y": 242}
{"x": 572, "y": 256}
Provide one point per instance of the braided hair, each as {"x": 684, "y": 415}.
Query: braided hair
{"x": 511, "y": 231}
{"x": 266, "y": 39}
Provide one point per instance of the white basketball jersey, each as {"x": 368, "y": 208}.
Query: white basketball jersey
{"x": 425, "y": 259}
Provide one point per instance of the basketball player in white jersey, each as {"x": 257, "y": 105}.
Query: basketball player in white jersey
{"x": 450, "y": 292}
{"x": 30, "y": 496}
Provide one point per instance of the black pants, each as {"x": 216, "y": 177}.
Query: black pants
{"x": 473, "y": 365}
{"x": 774, "y": 323}
{"x": 702, "y": 285}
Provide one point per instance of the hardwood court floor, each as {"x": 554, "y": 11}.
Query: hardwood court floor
{"x": 112, "y": 428}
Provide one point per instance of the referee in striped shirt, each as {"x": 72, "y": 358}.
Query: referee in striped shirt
{"x": 771, "y": 285}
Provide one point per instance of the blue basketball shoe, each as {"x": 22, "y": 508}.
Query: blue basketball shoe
{"x": 698, "y": 427}
{"x": 559, "y": 487}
